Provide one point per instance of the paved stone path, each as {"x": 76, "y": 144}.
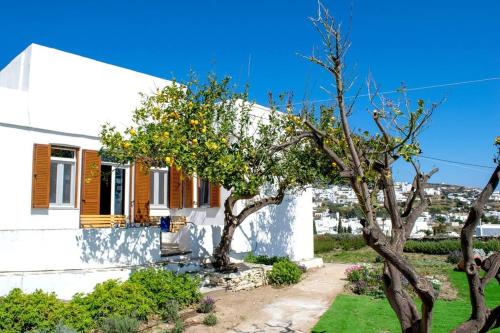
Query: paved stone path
{"x": 267, "y": 309}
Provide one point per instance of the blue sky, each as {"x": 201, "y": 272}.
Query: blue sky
{"x": 420, "y": 42}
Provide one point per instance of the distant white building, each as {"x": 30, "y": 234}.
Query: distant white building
{"x": 326, "y": 225}
{"x": 488, "y": 230}
{"x": 432, "y": 191}
{"x": 354, "y": 223}
{"x": 422, "y": 224}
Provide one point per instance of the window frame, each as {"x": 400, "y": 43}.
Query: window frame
{"x": 126, "y": 168}
{"x": 155, "y": 188}
{"x": 199, "y": 203}
{"x": 59, "y": 188}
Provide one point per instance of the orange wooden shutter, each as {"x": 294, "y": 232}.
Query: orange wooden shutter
{"x": 175, "y": 188}
{"x": 142, "y": 186}
{"x": 188, "y": 190}
{"x": 91, "y": 183}
{"x": 214, "y": 195}
{"x": 40, "y": 186}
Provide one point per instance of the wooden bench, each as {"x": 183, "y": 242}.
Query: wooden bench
{"x": 102, "y": 221}
{"x": 177, "y": 222}
{"x": 153, "y": 221}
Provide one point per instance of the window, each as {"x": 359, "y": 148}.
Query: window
{"x": 62, "y": 176}
{"x": 203, "y": 193}
{"x": 159, "y": 188}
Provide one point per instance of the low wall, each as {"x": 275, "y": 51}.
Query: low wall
{"x": 66, "y": 249}
{"x": 66, "y": 261}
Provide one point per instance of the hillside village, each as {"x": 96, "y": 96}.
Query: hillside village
{"x": 337, "y": 206}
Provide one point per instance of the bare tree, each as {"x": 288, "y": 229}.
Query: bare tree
{"x": 482, "y": 318}
{"x": 365, "y": 160}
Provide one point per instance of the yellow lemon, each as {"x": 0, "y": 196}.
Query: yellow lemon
{"x": 126, "y": 144}
{"x": 133, "y": 132}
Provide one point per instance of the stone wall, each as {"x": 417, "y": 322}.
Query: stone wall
{"x": 248, "y": 277}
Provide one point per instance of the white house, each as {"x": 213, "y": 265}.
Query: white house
{"x": 56, "y": 190}
{"x": 488, "y": 230}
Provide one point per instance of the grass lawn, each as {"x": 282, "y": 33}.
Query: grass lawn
{"x": 354, "y": 313}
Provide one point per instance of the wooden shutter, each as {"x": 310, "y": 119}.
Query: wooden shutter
{"x": 214, "y": 195}
{"x": 175, "y": 188}
{"x": 188, "y": 192}
{"x": 142, "y": 185}
{"x": 91, "y": 183}
{"x": 40, "y": 186}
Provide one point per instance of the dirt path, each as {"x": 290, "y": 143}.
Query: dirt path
{"x": 267, "y": 309}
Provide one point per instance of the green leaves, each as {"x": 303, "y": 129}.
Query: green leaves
{"x": 212, "y": 130}
{"x": 407, "y": 151}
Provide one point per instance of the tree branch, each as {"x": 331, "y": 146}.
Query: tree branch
{"x": 479, "y": 315}
{"x": 255, "y": 206}
{"x": 293, "y": 141}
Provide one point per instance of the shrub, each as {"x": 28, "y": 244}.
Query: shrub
{"x": 114, "y": 298}
{"x": 170, "y": 311}
{"x": 146, "y": 292}
{"x": 446, "y": 246}
{"x": 284, "y": 273}
{"x": 207, "y": 305}
{"x": 454, "y": 257}
{"x": 262, "y": 259}
{"x": 210, "y": 320}
{"x": 365, "y": 280}
{"x": 436, "y": 284}
{"x": 327, "y": 243}
{"x": 20, "y": 312}
{"x": 61, "y": 328}
{"x": 162, "y": 286}
{"x": 120, "y": 324}
{"x": 178, "y": 327}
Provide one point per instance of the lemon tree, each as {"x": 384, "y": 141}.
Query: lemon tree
{"x": 212, "y": 131}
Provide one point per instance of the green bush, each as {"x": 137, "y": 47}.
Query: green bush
{"x": 147, "y": 292}
{"x": 210, "y": 320}
{"x": 20, "y": 312}
{"x": 163, "y": 286}
{"x": 262, "y": 259}
{"x": 61, "y": 328}
{"x": 284, "y": 273}
{"x": 446, "y": 246}
{"x": 327, "y": 242}
{"x": 120, "y": 324}
{"x": 454, "y": 257}
{"x": 206, "y": 305}
{"x": 178, "y": 327}
{"x": 170, "y": 311}
{"x": 115, "y": 298}
{"x": 365, "y": 280}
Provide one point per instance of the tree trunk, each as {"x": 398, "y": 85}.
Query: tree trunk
{"x": 400, "y": 301}
{"x": 222, "y": 261}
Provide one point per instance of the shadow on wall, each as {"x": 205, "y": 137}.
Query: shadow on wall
{"x": 271, "y": 230}
{"x": 123, "y": 246}
{"x": 203, "y": 239}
